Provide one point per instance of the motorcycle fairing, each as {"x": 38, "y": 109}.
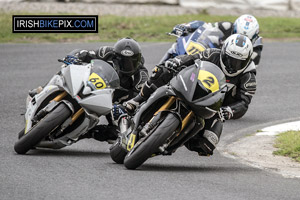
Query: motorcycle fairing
{"x": 157, "y": 96}
{"x": 75, "y": 77}
{"x": 203, "y": 94}
{"x": 180, "y": 47}
{"x": 106, "y": 74}
{"x": 100, "y": 101}
{"x": 194, "y": 43}
{"x": 36, "y": 102}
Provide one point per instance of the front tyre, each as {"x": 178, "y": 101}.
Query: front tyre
{"x": 21, "y": 133}
{"x": 45, "y": 126}
{"x": 137, "y": 156}
{"x": 117, "y": 152}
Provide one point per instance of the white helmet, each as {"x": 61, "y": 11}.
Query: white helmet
{"x": 235, "y": 54}
{"x": 246, "y": 25}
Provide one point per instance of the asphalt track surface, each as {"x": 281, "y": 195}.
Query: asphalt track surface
{"x": 85, "y": 169}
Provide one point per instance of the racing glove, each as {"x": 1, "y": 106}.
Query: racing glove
{"x": 180, "y": 30}
{"x": 72, "y": 60}
{"x": 173, "y": 63}
{"x": 226, "y": 112}
{"x": 117, "y": 111}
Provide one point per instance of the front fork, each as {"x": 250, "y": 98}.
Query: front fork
{"x": 166, "y": 107}
{"x": 77, "y": 114}
{"x": 149, "y": 125}
{"x": 59, "y": 98}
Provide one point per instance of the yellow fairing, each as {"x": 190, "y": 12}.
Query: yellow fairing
{"x": 194, "y": 48}
{"x": 208, "y": 80}
{"x": 97, "y": 81}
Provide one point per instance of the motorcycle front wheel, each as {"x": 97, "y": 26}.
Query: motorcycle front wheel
{"x": 45, "y": 126}
{"x": 137, "y": 156}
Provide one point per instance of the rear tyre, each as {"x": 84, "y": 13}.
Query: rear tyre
{"x": 137, "y": 156}
{"x": 117, "y": 152}
{"x": 45, "y": 126}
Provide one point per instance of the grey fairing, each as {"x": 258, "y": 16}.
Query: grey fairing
{"x": 69, "y": 138}
{"x": 99, "y": 102}
{"x": 74, "y": 76}
{"x": 90, "y": 121}
{"x": 36, "y": 102}
{"x": 156, "y": 96}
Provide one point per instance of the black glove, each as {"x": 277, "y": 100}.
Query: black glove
{"x": 180, "y": 30}
{"x": 72, "y": 60}
{"x": 173, "y": 63}
{"x": 226, "y": 112}
{"x": 117, "y": 111}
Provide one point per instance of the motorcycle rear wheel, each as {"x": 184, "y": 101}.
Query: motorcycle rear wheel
{"x": 137, "y": 156}
{"x": 45, "y": 126}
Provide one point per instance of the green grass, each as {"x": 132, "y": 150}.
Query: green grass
{"x": 151, "y": 29}
{"x": 288, "y": 144}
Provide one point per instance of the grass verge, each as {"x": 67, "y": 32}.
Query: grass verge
{"x": 288, "y": 144}
{"x": 143, "y": 29}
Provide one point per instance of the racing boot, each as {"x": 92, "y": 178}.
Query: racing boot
{"x": 132, "y": 104}
{"x": 102, "y": 133}
{"x": 204, "y": 143}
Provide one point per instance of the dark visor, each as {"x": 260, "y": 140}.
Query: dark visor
{"x": 232, "y": 64}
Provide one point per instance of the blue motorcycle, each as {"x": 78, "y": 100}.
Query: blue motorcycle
{"x": 202, "y": 38}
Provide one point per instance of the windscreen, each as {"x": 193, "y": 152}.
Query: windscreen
{"x": 103, "y": 75}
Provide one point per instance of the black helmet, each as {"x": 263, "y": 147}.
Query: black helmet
{"x": 128, "y": 56}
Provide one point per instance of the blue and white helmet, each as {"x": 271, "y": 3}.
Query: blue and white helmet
{"x": 246, "y": 25}
{"x": 235, "y": 54}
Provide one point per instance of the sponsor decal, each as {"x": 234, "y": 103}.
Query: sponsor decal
{"x": 127, "y": 52}
{"x": 193, "y": 77}
{"x": 237, "y": 53}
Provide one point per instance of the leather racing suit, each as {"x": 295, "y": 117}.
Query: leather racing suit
{"x": 226, "y": 28}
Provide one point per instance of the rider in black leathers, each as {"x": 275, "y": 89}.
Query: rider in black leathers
{"x": 126, "y": 57}
{"x": 235, "y": 61}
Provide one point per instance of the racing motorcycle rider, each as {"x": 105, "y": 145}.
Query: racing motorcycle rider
{"x": 245, "y": 24}
{"x": 234, "y": 59}
{"x": 126, "y": 57}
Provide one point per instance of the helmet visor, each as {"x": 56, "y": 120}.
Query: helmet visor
{"x": 129, "y": 65}
{"x": 233, "y": 64}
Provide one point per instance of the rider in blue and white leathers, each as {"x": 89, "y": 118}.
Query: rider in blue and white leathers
{"x": 245, "y": 24}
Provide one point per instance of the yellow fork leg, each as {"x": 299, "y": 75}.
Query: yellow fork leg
{"x": 60, "y": 97}
{"x": 167, "y": 105}
{"x": 76, "y": 115}
{"x": 186, "y": 120}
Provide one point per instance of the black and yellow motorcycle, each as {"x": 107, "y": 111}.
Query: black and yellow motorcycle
{"x": 172, "y": 115}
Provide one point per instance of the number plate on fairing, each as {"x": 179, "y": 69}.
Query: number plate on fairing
{"x": 97, "y": 81}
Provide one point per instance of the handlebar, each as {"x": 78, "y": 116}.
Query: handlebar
{"x": 70, "y": 60}
{"x": 172, "y": 34}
